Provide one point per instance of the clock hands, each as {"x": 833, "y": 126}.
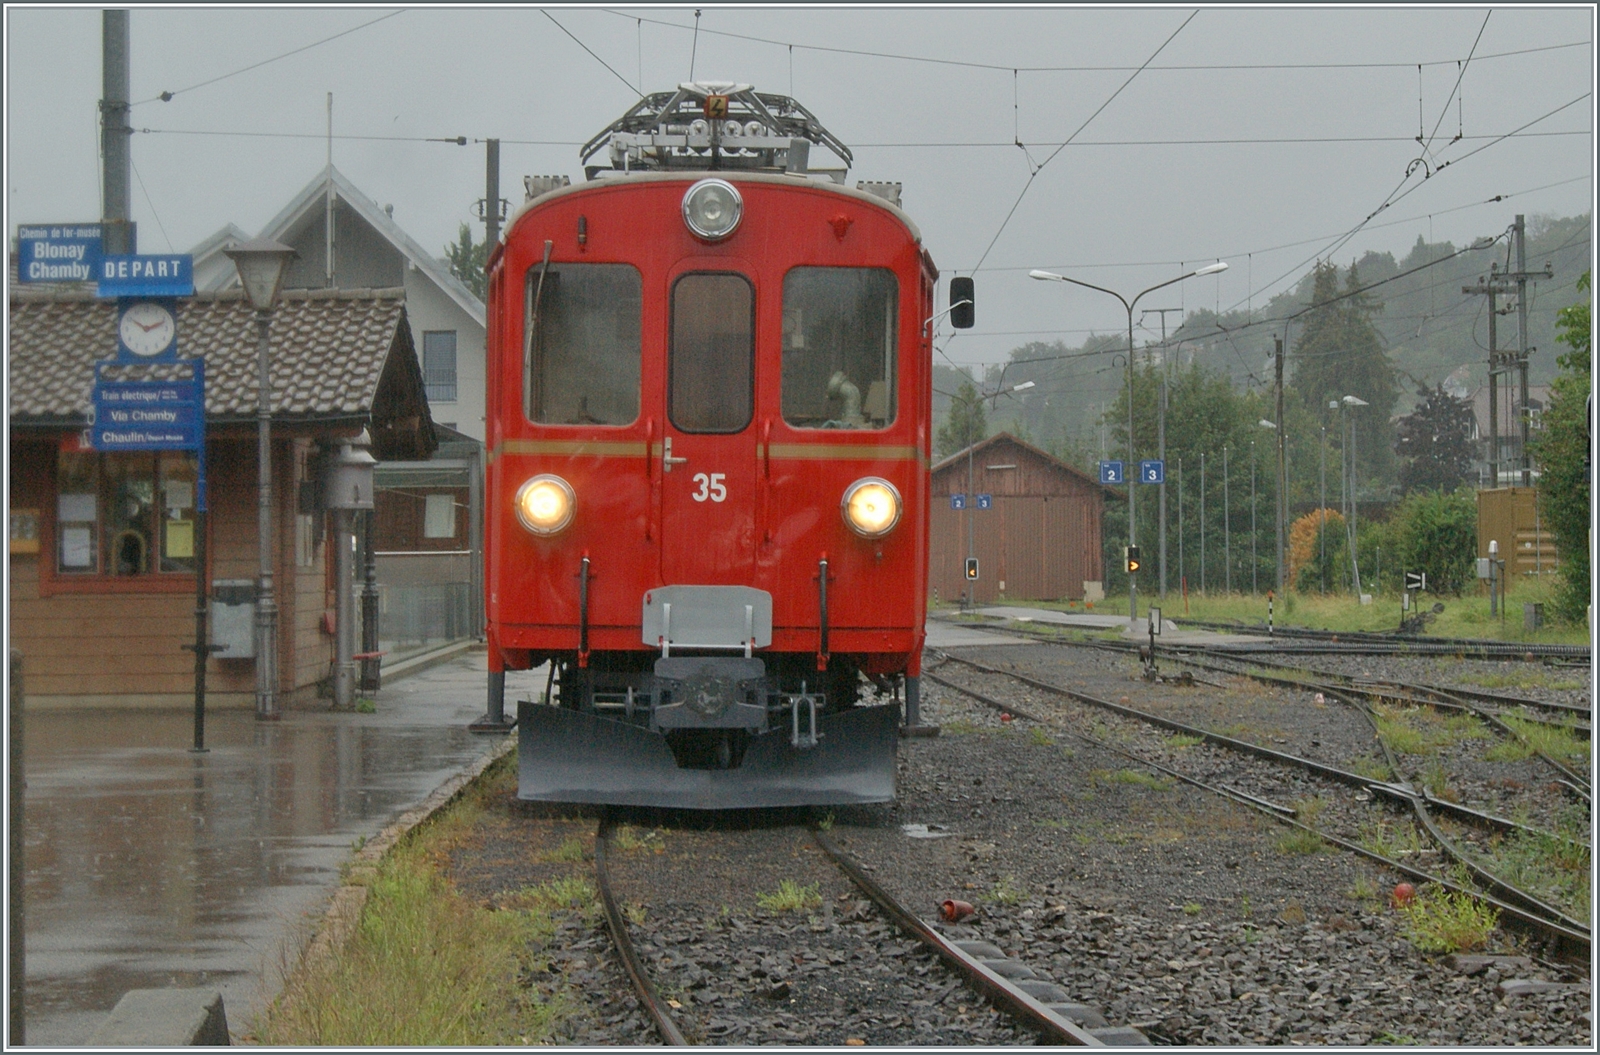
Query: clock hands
{"x": 152, "y": 326}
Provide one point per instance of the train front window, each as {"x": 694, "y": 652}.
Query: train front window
{"x": 711, "y": 361}
{"x": 839, "y": 347}
{"x": 583, "y": 349}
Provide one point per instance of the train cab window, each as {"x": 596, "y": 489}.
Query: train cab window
{"x": 711, "y": 360}
{"x": 839, "y": 341}
{"x": 583, "y": 350}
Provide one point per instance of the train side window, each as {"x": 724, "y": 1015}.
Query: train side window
{"x": 711, "y": 361}
{"x": 839, "y": 343}
{"x": 581, "y": 365}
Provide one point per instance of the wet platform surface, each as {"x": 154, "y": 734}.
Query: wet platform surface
{"x": 149, "y": 866}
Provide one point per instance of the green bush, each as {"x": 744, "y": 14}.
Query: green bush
{"x": 1437, "y": 532}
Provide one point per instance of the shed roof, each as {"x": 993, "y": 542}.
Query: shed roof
{"x": 1001, "y": 439}
{"x": 335, "y": 354}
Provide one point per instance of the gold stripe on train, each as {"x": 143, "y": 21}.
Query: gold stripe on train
{"x": 844, "y": 452}
{"x": 574, "y": 448}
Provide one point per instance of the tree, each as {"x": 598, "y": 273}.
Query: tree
{"x": 966, "y": 424}
{"x": 1437, "y": 532}
{"x": 468, "y": 262}
{"x": 1435, "y": 440}
{"x": 1562, "y": 449}
{"x": 1340, "y": 353}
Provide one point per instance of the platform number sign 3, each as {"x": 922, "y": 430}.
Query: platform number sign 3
{"x": 1153, "y": 471}
{"x": 711, "y": 486}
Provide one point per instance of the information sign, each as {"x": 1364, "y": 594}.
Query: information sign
{"x": 1153, "y": 471}
{"x": 1416, "y": 580}
{"x": 58, "y": 252}
{"x": 985, "y": 501}
{"x": 958, "y": 501}
{"x": 1111, "y": 472}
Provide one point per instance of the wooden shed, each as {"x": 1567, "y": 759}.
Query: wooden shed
{"x": 1038, "y": 540}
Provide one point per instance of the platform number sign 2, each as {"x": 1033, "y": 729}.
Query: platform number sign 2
{"x": 1111, "y": 472}
{"x": 711, "y": 486}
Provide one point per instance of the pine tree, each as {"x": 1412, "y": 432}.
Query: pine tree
{"x": 966, "y": 424}
{"x": 1435, "y": 440}
{"x": 467, "y": 262}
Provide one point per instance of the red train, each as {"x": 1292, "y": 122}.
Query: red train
{"x": 709, "y": 411}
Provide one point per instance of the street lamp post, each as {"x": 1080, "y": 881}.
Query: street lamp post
{"x": 1049, "y": 276}
{"x": 261, "y": 263}
{"x": 1350, "y": 528}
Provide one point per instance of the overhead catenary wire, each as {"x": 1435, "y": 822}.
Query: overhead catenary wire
{"x": 590, "y": 50}
{"x": 168, "y": 96}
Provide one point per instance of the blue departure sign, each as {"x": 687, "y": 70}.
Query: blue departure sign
{"x": 149, "y": 415}
{"x": 1111, "y": 473}
{"x": 139, "y": 275}
{"x": 1153, "y": 471}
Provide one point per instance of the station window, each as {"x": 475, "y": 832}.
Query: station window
{"x": 439, "y": 365}
{"x": 712, "y": 356}
{"x": 125, "y": 514}
{"x": 839, "y": 343}
{"x": 581, "y": 364}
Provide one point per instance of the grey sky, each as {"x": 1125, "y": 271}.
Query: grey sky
{"x": 1124, "y": 216}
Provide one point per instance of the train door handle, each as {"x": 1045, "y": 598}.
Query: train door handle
{"x": 667, "y": 460}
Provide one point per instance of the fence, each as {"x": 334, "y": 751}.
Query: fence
{"x": 425, "y": 599}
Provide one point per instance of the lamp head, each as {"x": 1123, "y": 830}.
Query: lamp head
{"x": 261, "y": 262}
{"x": 1212, "y": 269}
{"x": 1019, "y": 388}
{"x": 1045, "y": 276}
{"x": 1354, "y": 401}
{"x": 1264, "y": 423}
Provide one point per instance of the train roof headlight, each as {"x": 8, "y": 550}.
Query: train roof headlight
{"x": 545, "y": 504}
{"x": 712, "y": 209}
{"x": 871, "y": 507}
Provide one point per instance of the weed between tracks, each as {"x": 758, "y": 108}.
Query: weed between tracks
{"x": 1440, "y": 920}
{"x": 791, "y": 897}
{"x": 1423, "y": 730}
{"x": 1559, "y": 742}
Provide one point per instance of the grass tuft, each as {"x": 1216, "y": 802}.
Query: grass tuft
{"x": 790, "y": 897}
{"x": 1300, "y": 841}
{"x": 1006, "y": 891}
{"x": 1439, "y": 920}
{"x": 1559, "y": 742}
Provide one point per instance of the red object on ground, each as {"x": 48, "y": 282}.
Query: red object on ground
{"x": 1404, "y": 894}
{"x": 1004, "y": 717}
{"x": 955, "y": 911}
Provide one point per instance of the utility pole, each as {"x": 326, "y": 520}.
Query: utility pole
{"x": 116, "y": 227}
{"x": 491, "y": 208}
{"x": 1283, "y": 475}
{"x": 1161, "y": 444}
{"x": 1501, "y": 283}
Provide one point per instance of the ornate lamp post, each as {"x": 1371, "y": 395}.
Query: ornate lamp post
{"x": 261, "y": 263}
{"x": 1049, "y": 276}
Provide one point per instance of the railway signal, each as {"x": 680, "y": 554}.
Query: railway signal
{"x": 972, "y": 569}
{"x": 1416, "y": 580}
{"x": 1130, "y": 559}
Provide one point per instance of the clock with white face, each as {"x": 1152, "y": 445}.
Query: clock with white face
{"x": 147, "y": 328}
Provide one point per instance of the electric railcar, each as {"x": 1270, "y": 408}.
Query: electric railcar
{"x": 709, "y": 410}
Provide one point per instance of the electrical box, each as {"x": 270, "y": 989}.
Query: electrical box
{"x": 233, "y": 618}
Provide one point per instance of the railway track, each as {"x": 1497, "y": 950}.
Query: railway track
{"x": 1359, "y": 642}
{"x": 834, "y": 970}
{"x": 1266, "y": 792}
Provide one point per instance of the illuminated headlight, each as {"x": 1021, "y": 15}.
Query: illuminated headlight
{"x": 871, "y": 507}
{"x": 712, "y": 209}
{"x": 545, "y": 504}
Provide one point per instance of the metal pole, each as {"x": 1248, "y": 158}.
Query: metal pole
{"x": 1227, "y": 529}
{"x": 1254, "y": 570}
{"x": 117, "y": 231}
{"x": 491, "y": 196}
{"x": 966, "y": 518}
{"x": 1522, "y": 352}
{"x": 1355, "y": 568}
{"x": 1494, "y": 386}
{"x": 1182, "y": 567}
{"x": 1202, "y": 521}
{"x": 1322, "y": 507}
{"x": 344, "y": 667}
{"x": 202, "y": 650}
{"x": 372, "y": 666}
{"x": 1129, "y": 476}
{"x": 1161, "y": 452}
{"x": 266, "y": 604}
{"x": 16, "y": 880}
{"x": 1283, "y": 466}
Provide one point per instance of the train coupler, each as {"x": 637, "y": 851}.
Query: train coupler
{"x": 808, "y": 703}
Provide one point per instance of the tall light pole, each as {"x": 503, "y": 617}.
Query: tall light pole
{"x": 1277, "y": 441}
{"x": 261, "y": 263}
{"x": 1161, "y": 447}
{"x": 1132, "y": 466}
{"x": 1350, "y": 527}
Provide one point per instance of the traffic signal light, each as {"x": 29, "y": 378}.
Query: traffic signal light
{"x": 972, "y": 569}
{"x": 1130, "y": 559}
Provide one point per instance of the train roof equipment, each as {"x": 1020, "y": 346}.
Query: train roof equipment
{"x": 713, "y": 126}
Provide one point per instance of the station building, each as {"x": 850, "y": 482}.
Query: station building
{"x": 102, "y": 554}
{"x": 1038, "y": 540}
